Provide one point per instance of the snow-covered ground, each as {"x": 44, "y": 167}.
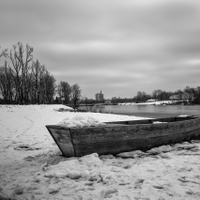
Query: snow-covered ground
{"x": 31, "y": 166}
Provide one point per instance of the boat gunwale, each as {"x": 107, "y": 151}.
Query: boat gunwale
{"x": 127, "y": 123}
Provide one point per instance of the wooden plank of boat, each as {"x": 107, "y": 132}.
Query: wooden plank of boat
{"x": 122, "y": 136}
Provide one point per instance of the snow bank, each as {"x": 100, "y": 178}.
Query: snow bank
{"x": 81, "y": 121}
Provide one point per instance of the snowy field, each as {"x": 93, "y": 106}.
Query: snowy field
{"x": 31, "y": 166}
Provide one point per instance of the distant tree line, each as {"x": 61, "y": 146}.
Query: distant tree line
{"x": 25, "y": 81}
{"x": 188, "y": 95}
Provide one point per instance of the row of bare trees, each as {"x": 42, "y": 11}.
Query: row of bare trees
{"x": 190, "y": 95}
{"x": 25, "y": 81}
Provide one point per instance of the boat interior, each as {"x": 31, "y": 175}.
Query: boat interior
{"x": 156, "y": 120}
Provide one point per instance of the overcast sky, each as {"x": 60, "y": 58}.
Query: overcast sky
{"x": 117, "y": 46}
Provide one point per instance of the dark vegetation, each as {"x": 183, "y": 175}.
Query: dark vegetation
{"x": 187, "y": 96}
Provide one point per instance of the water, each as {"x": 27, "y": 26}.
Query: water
{"x": 152, "y": 110}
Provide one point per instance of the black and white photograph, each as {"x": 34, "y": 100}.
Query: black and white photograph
{"x": 99, "y": 99}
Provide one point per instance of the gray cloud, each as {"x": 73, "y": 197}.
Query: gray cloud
{"x": 117, "y": 46}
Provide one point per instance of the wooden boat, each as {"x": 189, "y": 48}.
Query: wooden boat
{"x": 123, "y": 136}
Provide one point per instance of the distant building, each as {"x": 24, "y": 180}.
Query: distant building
{"x": 99, "y": 96}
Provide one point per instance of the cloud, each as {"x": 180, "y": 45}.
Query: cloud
{"x": 117, "y": 46}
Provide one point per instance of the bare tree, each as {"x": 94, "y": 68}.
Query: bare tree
{"x": 37, "y": 75}
{"x": 20, "y": 58}
{"x": 6, "y": 83}
{"x": 64, "y": 91}
{"x": 47, "y": 86}
{"x": 50, "y": 87}
{"x": 43, "y": 85}
{"x": 75, "y": 94}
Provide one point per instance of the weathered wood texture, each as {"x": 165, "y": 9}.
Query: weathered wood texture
{"x": 115, "y": 138}
{"x": 63, "y": 140}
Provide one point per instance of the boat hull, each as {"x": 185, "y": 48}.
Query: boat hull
{"x": 125, "y": 136}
